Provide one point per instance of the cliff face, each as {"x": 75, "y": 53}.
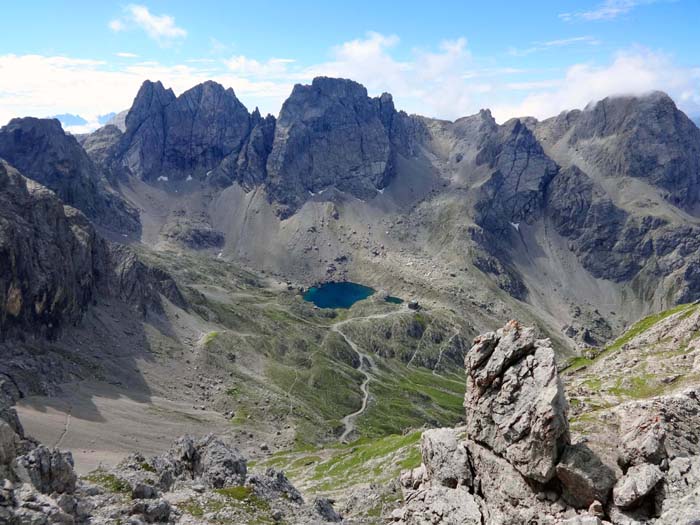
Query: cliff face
{"x": 180, "y": 137}
{"x": 329, "y": 134}
{"x": 54, "y": 264}
{"x": 51, "y": 258}
{"x": 44, "y": 153}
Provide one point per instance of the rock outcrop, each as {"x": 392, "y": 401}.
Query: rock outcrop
{"x": 39, "y": 486}
{"x": 41, "y": 151}
{"x": 58, "y": 264}
{"x": 329, "y": 133}
{"x": 173, "y": 138}
{"x": 515, "y": 401}
{"x": 513, "y": 463}
{"x": 52, "y": 258}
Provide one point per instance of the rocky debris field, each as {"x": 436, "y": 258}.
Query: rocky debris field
{"x": 198, "y": 481}
{"x": 514, "y": 460}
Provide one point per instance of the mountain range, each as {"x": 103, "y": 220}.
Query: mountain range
{"x": 157, "y": 262}
{"x": 607, "y": 194}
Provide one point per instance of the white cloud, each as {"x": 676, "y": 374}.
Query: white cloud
{"x": 161, "y": 28}
{"x": 126, "y": 55}
{"x": 91, "y": 88}
{"x": 431, "y": 83}
{"x": 274, "y": 67}
{"x": 607, "y": 10}
{"x": 117, "y": 25}
{"x": 632, "y": 72}
{"x": 553, "y": 44}
{"x": 447, "y": 82}
{"x": 156, "y": 27}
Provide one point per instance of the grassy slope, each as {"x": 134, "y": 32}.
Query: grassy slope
{"x": 631, "y": 368}
{"x": 288, "y": 367}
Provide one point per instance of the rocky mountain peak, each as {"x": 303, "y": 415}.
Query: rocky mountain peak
{"x": 329, "y": 133}
{"x": 335, "y": 87}
{"x": 644, "y": 137}
{"x": 151, "y": 98}
{"x": 170, "y": 137}
{"x": 43, "y": 152}
{"x": 611, "y": 114}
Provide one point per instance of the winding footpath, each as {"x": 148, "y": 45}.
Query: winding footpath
{"x": 366, "y": 366}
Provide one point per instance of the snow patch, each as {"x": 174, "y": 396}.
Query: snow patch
{"x": 162, "y": 178}
{"x": 189, "y": 178}
{"x": 515, "y": 225}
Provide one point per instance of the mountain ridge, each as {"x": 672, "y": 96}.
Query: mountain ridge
{"x": 521, "y": 172}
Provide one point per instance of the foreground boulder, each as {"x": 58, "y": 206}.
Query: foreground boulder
{"x": 515, "y": 401}
{"x": 584, "y": 477}
{"x": 47, "y": 470}
{"x": 513, "y": 463}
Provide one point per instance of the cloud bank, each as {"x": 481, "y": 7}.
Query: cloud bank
{"x": 445, "y": 82}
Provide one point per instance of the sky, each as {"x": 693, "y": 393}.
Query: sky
{"x": 443, "y": 59}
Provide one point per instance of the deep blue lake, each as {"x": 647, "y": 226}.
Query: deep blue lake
{"x": 337, "y": 295}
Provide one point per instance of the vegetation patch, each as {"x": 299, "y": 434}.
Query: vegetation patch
{"x": 109, "y": 482}
{"x": 645, "y": 324}
{"x": 209, "y": 338}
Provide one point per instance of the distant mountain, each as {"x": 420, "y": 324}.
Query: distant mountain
{"x": 43, "y": 152}
{"x": 180, "y": 137}
{"x": 613, "y": 183}
{"x": 68, "y": 119}
{"x": 104, "y": 119}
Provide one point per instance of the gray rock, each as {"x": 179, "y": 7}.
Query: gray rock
{"x": 638, "y": 482}
{"x": 505, "y": 495}
{"x": 584, "y": 477}
{"x": 642, "y": 444}
{"x": 445, "y": 458}
{"x": 44, "y": 153}
{"x": 8, "y": 444}
{"x": 583, "y": 520}
{"x": 412, "y": 479}
{"x": 153, "y": 511}
{"x": 143, "y": 491}
{"x": 273, "y": 484}
{"x": 179, "y": 137}
{"x": 208, "y": 460}
{"x": 324, "y": 508}
{"x": 219, "y": 464}
{"x": 47, "y": 470}
{"x": 441, "y": 505}
{"x": 515, "y": 401}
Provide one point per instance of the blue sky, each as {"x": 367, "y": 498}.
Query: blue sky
{"x": 445, "y": 60}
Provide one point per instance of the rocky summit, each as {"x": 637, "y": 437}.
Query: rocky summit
{"x": 518, "y": 465}
{"x": 160, "y": 347}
